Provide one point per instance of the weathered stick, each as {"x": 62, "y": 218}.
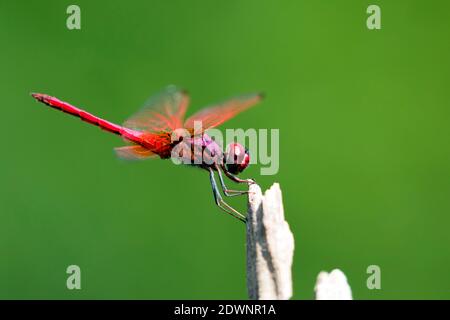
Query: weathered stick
{"x": 332, "y": 286}
{"x": 270, "y": 246}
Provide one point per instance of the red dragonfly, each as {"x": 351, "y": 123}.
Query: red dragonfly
{"x": 150, "y": 132}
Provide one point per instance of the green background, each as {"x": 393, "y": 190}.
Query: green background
{"x": 364, "y": 145}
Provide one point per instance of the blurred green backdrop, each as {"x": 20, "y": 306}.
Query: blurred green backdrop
{"x": 364, "y": 128}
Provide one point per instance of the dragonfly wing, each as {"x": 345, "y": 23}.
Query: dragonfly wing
{"x": 135, "y": 152}
{"x": 162, "y": 112}
{"x": 215, "y": 115}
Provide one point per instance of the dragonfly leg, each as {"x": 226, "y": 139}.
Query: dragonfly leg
{"x": 235, "y": 178}
{"x": 226, "y": 191}
{"x": 222, "y": 204}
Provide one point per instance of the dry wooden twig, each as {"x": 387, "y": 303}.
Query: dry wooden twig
{"x": 332, "y": 286}
{"x": 270, "y": 246}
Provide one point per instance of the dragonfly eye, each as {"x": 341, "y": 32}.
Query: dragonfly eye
{"x": 237, "y": 158}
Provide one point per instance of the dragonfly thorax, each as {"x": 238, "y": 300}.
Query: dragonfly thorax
{"x": 205, "y": 152}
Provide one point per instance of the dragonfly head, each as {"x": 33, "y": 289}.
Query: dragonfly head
{"x": 237, "y": 158}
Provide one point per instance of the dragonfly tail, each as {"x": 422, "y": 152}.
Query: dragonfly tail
{"x": 53, "y": 102}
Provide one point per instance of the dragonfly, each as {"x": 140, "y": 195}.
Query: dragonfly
{"x": 150, "y": 133}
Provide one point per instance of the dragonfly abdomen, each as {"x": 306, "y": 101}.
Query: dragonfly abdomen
{"x": 65, "y": 107}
